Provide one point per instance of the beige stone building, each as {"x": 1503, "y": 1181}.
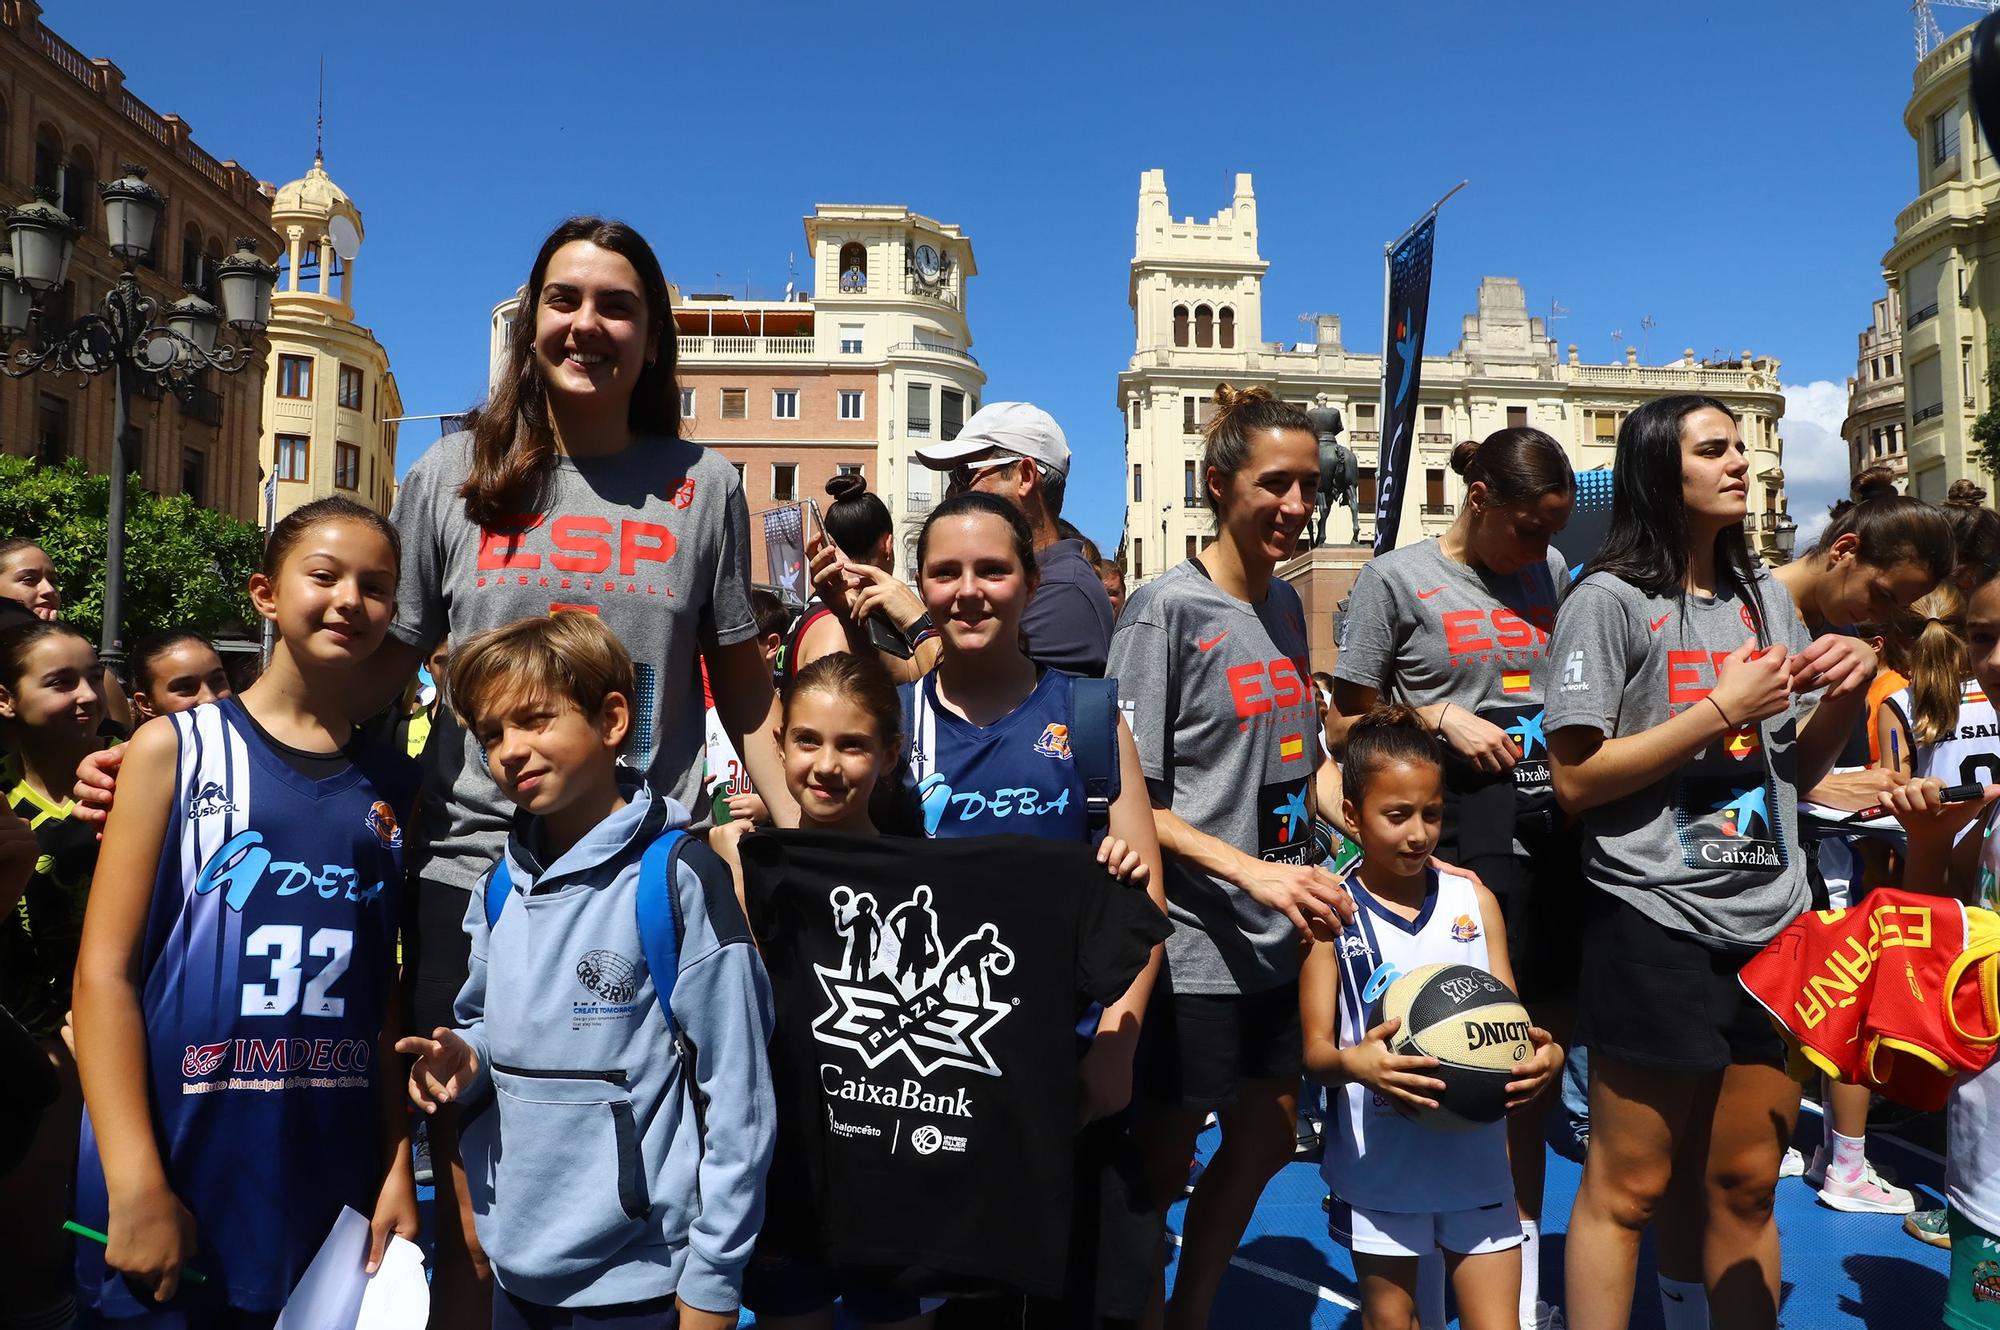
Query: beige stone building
{"x": 330, "y": 398}
{"x": 68, "y": 122}
{"x": 871, "y": 359}
{"x": 1196, "y": 298}
{"x": 1937, "y": 267}
{"x": 1874, "y": 430}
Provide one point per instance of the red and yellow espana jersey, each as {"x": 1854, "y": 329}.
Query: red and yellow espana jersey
{"x": 1901, "y": 994}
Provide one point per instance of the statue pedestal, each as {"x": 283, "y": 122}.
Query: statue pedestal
{"x": 1323, "y": 576}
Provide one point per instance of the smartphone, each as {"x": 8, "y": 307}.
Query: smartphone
{"x": 883, "y": 634}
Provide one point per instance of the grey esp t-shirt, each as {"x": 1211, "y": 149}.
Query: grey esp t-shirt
{"x": 1218, "y": 696}
{"x": 1710, "y": 849}
{"x": 653, "y": 540}
{"x": 1421, "y": 628}
{"x": 1068, "y": 620}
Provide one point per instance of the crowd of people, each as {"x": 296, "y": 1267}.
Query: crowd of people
{"x": 889, "y": 954}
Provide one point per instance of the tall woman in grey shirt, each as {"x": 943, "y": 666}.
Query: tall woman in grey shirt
{"x": 1458, "y": 627}
{"x": 1680, "y": 730}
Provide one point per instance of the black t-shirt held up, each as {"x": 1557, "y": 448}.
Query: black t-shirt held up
{"x": 927, "y": 994}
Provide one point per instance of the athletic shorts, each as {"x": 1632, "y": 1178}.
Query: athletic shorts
{"x": 436, "y": 952}
{"x": 796, "y": 1286}
{"x": 1544, "y": 901}
{"x": 1197, "y": 1049}
{"x": 1494, "y": 1227}
{"x": 1656, "y": 997}
{"x": 1972, "y": 1298}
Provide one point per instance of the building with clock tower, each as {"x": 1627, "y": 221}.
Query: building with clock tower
{"x": 872, "y": 360}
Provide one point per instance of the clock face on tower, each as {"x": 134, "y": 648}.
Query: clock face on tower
{"x": 930, "y": 264}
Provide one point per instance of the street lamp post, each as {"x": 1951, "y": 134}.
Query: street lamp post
{"x": 119, "y": 334}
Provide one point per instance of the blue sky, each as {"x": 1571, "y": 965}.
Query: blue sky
{"x": 1732, "y": 171}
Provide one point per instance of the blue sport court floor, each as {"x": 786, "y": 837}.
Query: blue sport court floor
{"x": 1842, "y": 1271}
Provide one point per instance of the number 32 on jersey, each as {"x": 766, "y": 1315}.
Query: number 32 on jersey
{"x": 282, "y": 944}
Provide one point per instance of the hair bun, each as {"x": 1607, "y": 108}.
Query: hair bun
{"x": 1873, "y": 482}
{"x": 847, "y": 485}
{"x": 1462, "y": 455}
{"x": 1392, "y": 716}
{"x": 1967, "y": 493}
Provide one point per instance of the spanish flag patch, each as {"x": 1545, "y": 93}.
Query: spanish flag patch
{"x": 1741, "y": 743}
{"x": 1291, "y": 748}
{"x": 1514, "y": 681}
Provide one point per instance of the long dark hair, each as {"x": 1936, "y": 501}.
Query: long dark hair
{"x": 1893, "y": 529}
{"x": 1647, "y": 544}
{"x": 991, "y": 505}
{"x": 513, "y": 442}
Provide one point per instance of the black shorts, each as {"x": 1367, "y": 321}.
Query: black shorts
{"x": 1656, "y": 997}
{"x": 436, "y": 953}
{"x": 1197, "y": 1049}
{"x": 1544, "y": 902}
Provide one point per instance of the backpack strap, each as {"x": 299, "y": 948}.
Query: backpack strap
{"x": 499, "y": 886}
{"x": 1093, "y": 742}
{"x": 659, "y": 906}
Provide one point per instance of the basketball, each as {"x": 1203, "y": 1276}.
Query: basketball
{"x": 1473, "y": 1025}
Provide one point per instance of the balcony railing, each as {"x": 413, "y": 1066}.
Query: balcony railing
{"x": 745, "y": 348}
{"x": 1192, "y": 501}
{"x": 1434, "y": 440}
{"x": 936, "y": 348}
{"x": 1927, "y": 413}
{"x": 203, "y": 404}
{"x": 1437, "y": 510}
{"x": 1927, "y": 312}
{"x": 1365, "y": 436}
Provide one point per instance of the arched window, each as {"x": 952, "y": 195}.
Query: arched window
{"x": 854, "y": 266}
{"x": 1180, "y": 325}
{"x": 191, "y": 257}
{"x": 307, "y": 277}
{"x": 284, "y": 269}
{"x": 79, "y": 188}
{"x": 1226, "y": 333}
{"x": 1204, "y": 326}
{"x": 337, "y": 277}
{"x": 48, "y": 159}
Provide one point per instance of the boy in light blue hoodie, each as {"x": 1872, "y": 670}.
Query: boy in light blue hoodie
{"x": 615, "y": 1152}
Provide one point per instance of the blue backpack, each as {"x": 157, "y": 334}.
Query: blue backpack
{"x": 659, "y": 906}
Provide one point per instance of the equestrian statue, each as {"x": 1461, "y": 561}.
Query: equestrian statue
{"x": 1338, "y": 472}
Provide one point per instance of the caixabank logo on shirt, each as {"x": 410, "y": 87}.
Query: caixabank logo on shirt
{"x": 1284, "y": 822}
{"x": 901, "y": 995}
{"x": 1728, "y": 822}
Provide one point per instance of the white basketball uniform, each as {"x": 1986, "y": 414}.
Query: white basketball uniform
{"x": 1401, "y": 1189}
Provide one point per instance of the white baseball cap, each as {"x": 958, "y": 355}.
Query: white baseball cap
{"x": 1018, "y": 429}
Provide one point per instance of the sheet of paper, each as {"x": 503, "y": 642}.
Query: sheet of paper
{"x": 398, "y": 1296}
{"x": 328, "y": 1295}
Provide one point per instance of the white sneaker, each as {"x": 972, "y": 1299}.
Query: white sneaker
{"x": 1792, "y": 1165}
{"x": 1868, "y": 1194}
{"x": 1546, "y": 1318}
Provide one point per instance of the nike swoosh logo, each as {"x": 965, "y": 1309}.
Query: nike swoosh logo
{"x": 1677, "y": 1297}
{"x": 1210, "y": 643}
{"x": 1662, "y": 619}
{"x": 1426, "y": 595}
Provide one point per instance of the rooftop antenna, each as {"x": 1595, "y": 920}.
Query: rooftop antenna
{"x": 1929, "y": 35}
{"x": 1646, "y": 324}
{"x": 791, "y": 274}
{"x": 1617, "y": 336}
{"x": 319, "y": 121}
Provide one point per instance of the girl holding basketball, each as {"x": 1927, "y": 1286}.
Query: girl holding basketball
{"x": 1680, "y": 731}
{"x": 1401, "y": 1189}
{"x": 1457, "y": 627}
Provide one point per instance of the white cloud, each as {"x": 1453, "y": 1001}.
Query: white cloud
{"x": 1816, "y": 468}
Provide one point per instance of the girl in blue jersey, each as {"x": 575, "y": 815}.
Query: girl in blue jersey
{"x": 989, "y": 746}
{"x": 233, "y": 1000}
{"x": 1404, "y": 1190}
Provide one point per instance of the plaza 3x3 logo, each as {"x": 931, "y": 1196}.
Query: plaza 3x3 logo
{"x": 898, "y": 992}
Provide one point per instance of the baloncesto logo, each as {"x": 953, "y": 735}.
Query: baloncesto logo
{"x": 899, "y": 994}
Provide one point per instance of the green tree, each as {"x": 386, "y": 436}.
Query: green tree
{"x": 185, "y": 566}
{"x": 1986, "y": 429}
